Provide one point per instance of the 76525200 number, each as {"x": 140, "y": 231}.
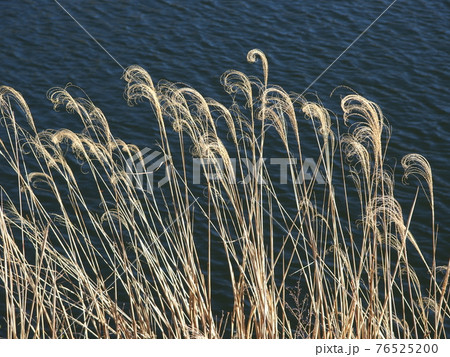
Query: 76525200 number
{"x": 407, "y": 348}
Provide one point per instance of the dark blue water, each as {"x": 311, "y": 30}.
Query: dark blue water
{"x": 401, "y": 62}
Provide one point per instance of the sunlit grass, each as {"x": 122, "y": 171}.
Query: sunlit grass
{"x": 86, "y": 253}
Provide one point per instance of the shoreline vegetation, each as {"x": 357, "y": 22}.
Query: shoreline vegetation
{"x": 84, "y": 253}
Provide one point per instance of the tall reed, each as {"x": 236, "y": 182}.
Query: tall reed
{"x": 86, "y": 252}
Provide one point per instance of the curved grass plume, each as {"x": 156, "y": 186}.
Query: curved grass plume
{"x": 84, "y": 252}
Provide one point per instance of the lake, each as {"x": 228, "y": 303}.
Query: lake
{"x": 401, "y": 62}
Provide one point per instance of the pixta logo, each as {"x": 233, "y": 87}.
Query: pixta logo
{"x": 142, "y": 167}
{"x": 148, "y": 169}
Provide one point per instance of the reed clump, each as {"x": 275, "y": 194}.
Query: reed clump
{"x": 85, "y": 252}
